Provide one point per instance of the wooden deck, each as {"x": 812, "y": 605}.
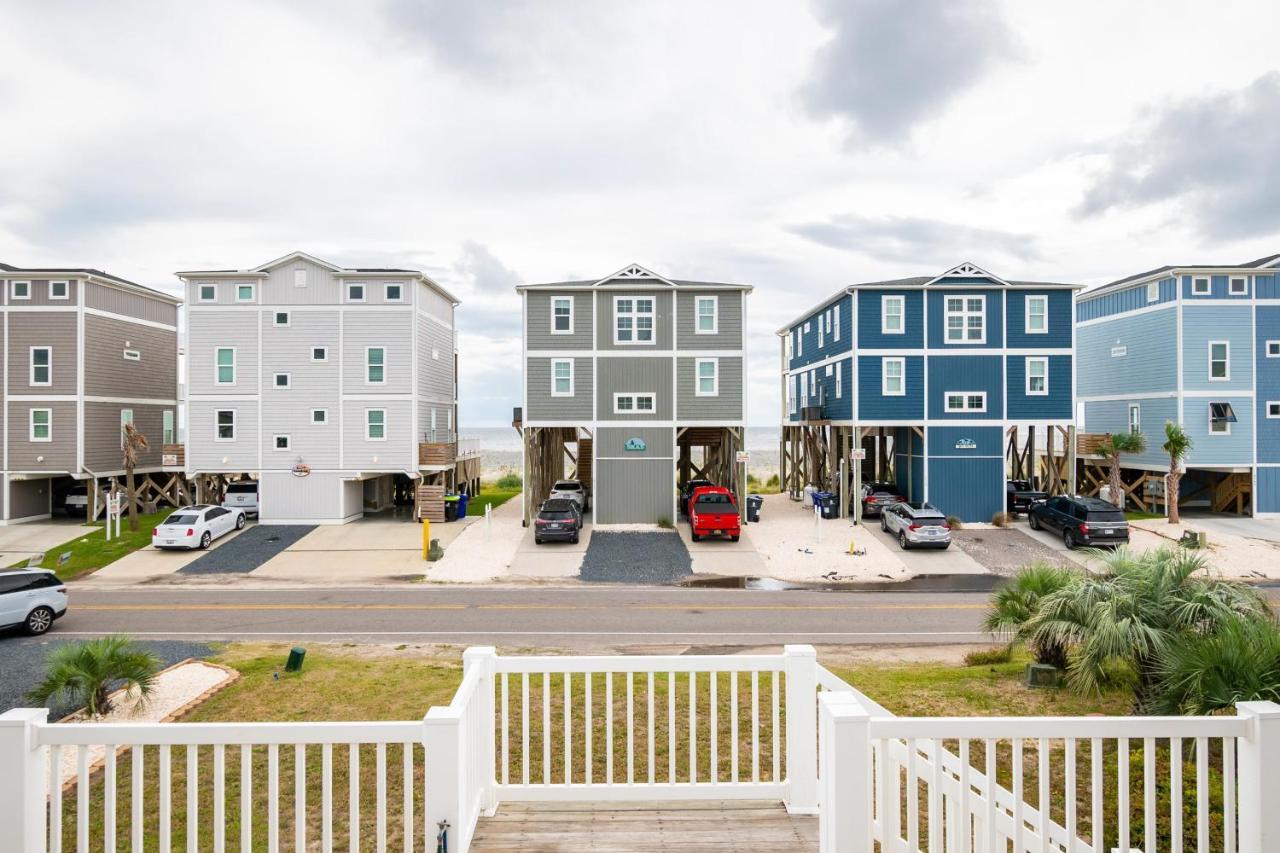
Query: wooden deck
{"x": 704, "y": 826}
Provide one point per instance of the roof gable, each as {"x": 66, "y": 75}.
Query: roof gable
{"x": 294, "y": 256}
{"x": 633, "y": 272}
{"x": 964, "y": 274}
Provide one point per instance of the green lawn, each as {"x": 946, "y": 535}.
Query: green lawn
{"x": 490, "y": 495}
{"x": 91, "y": 550}
{"x": 1134, "y": 515}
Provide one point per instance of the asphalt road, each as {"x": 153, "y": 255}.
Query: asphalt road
{"x": 571, "y": 618}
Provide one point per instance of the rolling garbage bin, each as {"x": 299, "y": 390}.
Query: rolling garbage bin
{"x": 450, "y": 507}
{"x": 826, "y": 501}
{"x": 754, "y": 503}
{"x": 462, "y": 505}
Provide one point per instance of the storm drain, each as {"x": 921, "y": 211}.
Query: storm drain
{"x": 248, "y": 551}
{"x": 659, "y": 557}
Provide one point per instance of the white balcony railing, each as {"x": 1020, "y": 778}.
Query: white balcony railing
{"x": 652, "y": 728}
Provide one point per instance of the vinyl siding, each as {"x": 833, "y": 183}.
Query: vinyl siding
{"x": 107, "y": 373}
{"x": 117, "y": 301}
{"x": 728, "y": 321}
{"x": 935, "y": 315}
{"x": 1060, "y": 320}
{"x": 969, "y": 484}
{"x": 40, "y": 292}
{"x": 317, "y": 497}
{"x": 434, "y": 303}
{"x": 633, "y": 492}
{"x": 29, "y": 498}
{"x": 278, "y": 288}
{"x": 313, "y": 385}
{"x": 208, "y": 330}
{"x": 1268, "y": 382}
{"x": 392, "y": 330}
{"x": 1150, "y": 362}
{"x": 544, "y": 407}
{"x": 37, "y": 328}
{"x": 1264, "y": 286}
{"x": 621, "y": 375}
{"x": 611, "y": 442}
{"x": 842, "y": 315}
{"x": 1058, "y": 404}
{"x": 1113, "y": 416}
{"x": 1209, "y": 449}
{"x": 871, "y": 319}
{"x": 102, "y": 434}
{"x": 661, "y": 318}
{"x": 57, "y": 455}
{"x": 1266, "y": 490}
{"x": 966, "y": 373}
{"x": 726, "y": 405}
{"x": 1218, "y": 289}
{"x": 400, "y": 450}
{"x": 909, "y": 463}
{"x": 224, "y": 290}
{"x": 538, "y": 327}
{"x": 204, "y": 454}
{"x": 874, "y": 406}
{"x": 1203, "y": 323}
{"x": 1122, "y": 301}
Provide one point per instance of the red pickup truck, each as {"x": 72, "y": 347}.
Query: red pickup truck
{"x": 712, "y": 512}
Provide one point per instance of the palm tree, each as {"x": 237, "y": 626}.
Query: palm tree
{"x": 1014, "y": 604}
{"x": 134, "y": 442}
{"x": 1111, "y": 447}
{"x": 85, "y": 673}
{"x": 1132, "y": 611}
{"x": 1177, "y": 444}
{"x": 1206, "y": 674}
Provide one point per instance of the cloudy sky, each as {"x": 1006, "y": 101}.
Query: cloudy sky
{"x": 796, "y": 146}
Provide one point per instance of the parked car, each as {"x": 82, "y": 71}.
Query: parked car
{"x": 687, "y": 493}
{"x": 713, "y": 512}
{"x": 875, "y": 497}
{"x": 1021, "y": 495}
{"x": 77, "y": 501}
{"x": 1081, "y": 521}
{"x": 196, "y": 526}
{"x": 558, "y": 518}
{"x": 32, "y": 599}
{"x": 916, "y": 524}
{"x": 242, "y": 496}
{"x": 572, "y": 490}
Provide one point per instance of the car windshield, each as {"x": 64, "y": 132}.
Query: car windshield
{"x": 713, "y": 500}
{"x": 930, "y": 518}
{"x": 567, "y": 487}
{"x": 181, "y": 518}
{"x": 242, "y": 488}
{"x": 556, "y": 514}
{"x": 1106, "y": 516}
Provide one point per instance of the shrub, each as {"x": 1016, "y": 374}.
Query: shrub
{"x": 1002, "y": 519}
{"x": 773, "y": 482}
{"x": 1015, "y": 604}
{"x": 665, "y": 524}
{"x": 510, "y": 480}
{"x": 1203, "y": 674}
{"x": 989, "y": 657}
{"x": 85, "y": 673}
{"x": 954, "y": 523}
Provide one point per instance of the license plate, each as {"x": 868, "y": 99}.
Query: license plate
{"x": 715, "y": 532}
{"x": 168, "y": 542}
{"x": 1107, "y": 531}
{"x": 553, "y": 527}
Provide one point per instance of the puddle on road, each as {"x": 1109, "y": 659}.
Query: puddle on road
{"x": 923, "y": 583}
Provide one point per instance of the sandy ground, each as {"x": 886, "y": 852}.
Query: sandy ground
{"x": 485, "y": 552}
{"x": 175, "y": 687}
{"x": 795, "y": 547}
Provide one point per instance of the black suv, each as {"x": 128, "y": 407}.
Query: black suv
{"x": 1081, "y": 521}
{"x": 558, "y": 518}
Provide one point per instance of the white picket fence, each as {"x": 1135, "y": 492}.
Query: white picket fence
{"x": 623, "y": 728}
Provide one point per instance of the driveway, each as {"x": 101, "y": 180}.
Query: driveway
{"x": 551, "y": 559}
{"x": 152, "y": 564}
{"x": 657, "y": 557}
{"x": 722, "y": 557}
{"x": 21, "y": 541}
{"x": 926, "y": 561}
{"x": 1005, "y": 550}
{"x": 1266, "y": 529}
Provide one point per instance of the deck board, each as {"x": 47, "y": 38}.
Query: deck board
{"x": 710, "y": 826}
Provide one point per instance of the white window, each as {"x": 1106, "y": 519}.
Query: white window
{"x": 966, "y": 401}
{"x": 1221, "y": 417}
{"x": 132, "y": 355}
{"x": 21, "y": 289}
{"x": 708, "y": 315}
{"x": 891, "y": 313}
{"x": 395, "y": 292}
{"x": 839, "y": 384}
{"x": 300, "y": 277}
{"x": 1219, "y": 361}
{"x": 708, "y": 377}
{"x": 126, "y": 418}
{"x": 804, "y": 389}
{"x": 225, "y": 366}
{"x": 792, "y": 397}
{"x": 168, "y": 427}
{"x": 1153, "y": 291}
{"x": 1135, "y": 418}
{"x": 1200, "y": 286}
{"x": 799, "y": 343}
{"x": 224, "y": 425}
{"x": 1238, "y": 286}
{"x": 280, "y": 318}
{"x": 633, "y": 319}
{"x": 1273, "y": 349}
{"x": 355, "y": 293}
{"x": 319, "y": 353}
{"x": 208, "y": 293}
{"x": 433, "y": 421}
{"x": 1273, "y": 408}
{"x": 627, "y": 404}
{"x": 375, "y": 361}
{"x": 821, "y": 320}
{"x": 1037, "y": 314}
{"x": 244, "y": 292}
{"x": 448, "y": 419}
{"x": 283, "y": 381}
{"x": 893, "y": 377}
{"x": 562, "y": 315}
{"x": 280, "y": 442}
{"x": 835, "y": 330}
{"x": 41, "y": 366}
{"x": 375, "y": 424}
{"x": 966, "y": 320}
{"x": 41, "y": 425}
{"x": 561, "y": 377}
{"x": 319, "y": 416}
{"x": 58, "y": 289}
{"x": 1037, "y": 376}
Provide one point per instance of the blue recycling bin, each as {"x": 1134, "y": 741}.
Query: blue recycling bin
{"x": 462, "y": 505}
{"x": 827, "y": 503}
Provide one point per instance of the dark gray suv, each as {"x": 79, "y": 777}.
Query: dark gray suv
{"x": 1090, "y": 522}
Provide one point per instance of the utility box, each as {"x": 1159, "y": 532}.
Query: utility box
{"x": 297, "y": 655}
{"x": 1043, "y": 675}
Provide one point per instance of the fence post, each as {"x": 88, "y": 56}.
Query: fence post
{"x": 24, "y": 780}
{"x": 801, "y": 668}
{"x": 844, "y": 821}
{"x": 442, "y": 743}
{"x": 485, "y": 658}
{"x": 1259, "y": 762}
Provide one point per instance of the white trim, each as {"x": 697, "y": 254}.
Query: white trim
{"x": 965, "y": 313}
{"x": 200, "y": 286}
{"x": 168, "y": 427}
{"x": 13, "y": 289}
{"x": 386, "y": 293}
{"x": 47, "y": 398}
{"x": 697, "y": 377}
{"x": 1269, "y": 404}
{"x": 1226, "y": 362}
{"x": 1208, "y": 285}
{"x": 1147, "y": 309}
{"x": 31, "y": 366}
{"x": 635, "y": 316}
{"x": 124, "y": 318}
{"x": 1267, "y": 349}
{"x": 1027, "y": 369}
{"x": 368, "y": 366}
{"x": 901, "y": 301}
{"x": 66, "y": 292}
{"x": 554, "y": 392}
{"x": 323, "y": 349}
{"x": 348, "y": 299}
{"x": 31, "y": 424}
{"x": 901, "y": 361}
{"x": 948, "y": 395}
{"x": 368, "y": 426}
{"x": 299, "y": 280}
{"x": 253, "y": 292}
{"x": 275, "y": 380}
{"x": 275, "y": 318}
{"x": 697, "y": 314}
{"x": 635, "y": 397}
{"x": 324, "y": 421}
{"x": 1129, "y": 417}
{"x": 1231, "y": 281}
{"x": 138, "y": 401}
{"x": 966, "y": 270}
{"x": 131, "y": 355}
{"x": 1209, "y": 416}
{"x": 659, "y": 353}
{"x": 1153, "y": 290}
{"x": 288, "y": 442}
{"x": 235, "y": 418}
{"x": 1026, "y": 321}
{"x": 234, "y": 359}
{"x": 554, "y": 300}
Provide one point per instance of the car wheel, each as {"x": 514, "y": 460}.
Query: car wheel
{"x": 735, "y": 538}
{"x": 1032, "y": 521}
{"x": 240, "y": 521}
{"x": 695, "y": 537}
{"x": 38, "y": 621}
{"x": 537, "y": 541}
{"x": 574, "y": 540}
{"x": 205, "y": 540}
{"x": 884, "y": 525}
{"x": 1069, "y": 539}
{"x": 902, "y": 540}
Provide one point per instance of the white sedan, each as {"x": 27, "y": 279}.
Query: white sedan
{"x": 196, "y": 526}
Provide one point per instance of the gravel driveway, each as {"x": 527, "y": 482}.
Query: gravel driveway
{"x": 22, "y": 663}
{"x": 1005, "y": 550}
{"x": 248, "y": 551}
{"x": 636, "y": 557}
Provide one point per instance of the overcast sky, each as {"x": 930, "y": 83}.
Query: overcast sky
{"x": 794, "y": 146}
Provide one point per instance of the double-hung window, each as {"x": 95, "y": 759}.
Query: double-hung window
{"x": 966, "y": 320}
{"x": 561, "y": 377}
{"x": 126, "y": 419}
{"x": 839, "y": 384}
{"x": 966, "y": 401}
{"x": 1037, "y": 314}
{"x": 375, "y": 424}
{"x": 707, "y": 322}
{"x": 1219, "y": 361}
{"x": 562, "y": 315}
{"x": 799, "y": 343}
{"x": 375, "y": 365}
{"x": 633, "y": 319}
{"x": 1135, "y": 418}
{"x": 893, "y": 377}
{"x": 224, "y": 425}
{"x": 225, "y": 366}
{"x": 791, "y": 394}
{"x": 168, "y": 426}
{"x": 1037, "y": 376}
{"x": 891, "y": 313}
{"x": 42, "y": 365}
{"x": 41, "y": 425}
{"x": 627, "y": 404}
{"x": 708, "y": 377}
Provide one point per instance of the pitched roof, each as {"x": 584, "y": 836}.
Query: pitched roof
{"x": 1129, "y": 279}
{"x": 633, "y": 272}
{"x": 90, "y": 271}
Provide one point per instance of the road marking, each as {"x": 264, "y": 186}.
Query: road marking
{"x": 802, "y": 634}
{"x": 528, "y": 607}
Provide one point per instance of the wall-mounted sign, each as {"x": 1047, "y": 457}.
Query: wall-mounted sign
{"x": 1119, "y": 352}
{"x": 966, "y": 444}
{"x": 635, "y": 445}
{"x": 859, "y": 453}
{"x": 169, "y": 459}
{"x": 743, "y": 457}
{"x": 300, "y": 468}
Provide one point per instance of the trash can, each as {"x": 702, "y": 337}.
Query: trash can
{"x": 462, "y": 505}
{"x": 450, "y": 507}
{"x": 827, "y": 502}
{"x": 808, "y": 495}
{"x": 754, "y": 503}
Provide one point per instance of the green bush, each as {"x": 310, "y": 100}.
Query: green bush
{"x": 989, "y": 657}
{"x": 510, "y": 480}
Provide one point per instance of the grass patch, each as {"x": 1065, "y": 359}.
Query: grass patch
{"x": 1143, "y": 516}
{"x": 987, "y": 657}
{"x": 492, "y": 494}
{"x": 91, "y": 550}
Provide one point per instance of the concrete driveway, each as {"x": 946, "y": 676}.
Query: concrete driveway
{"x": 722, "y": 557}
{"x": 21, "y": 541}
{"x": 551, "y": 559}
{"x": 926, "y": 561}
{"x": 152, "y": 564}
{"x": 1234, "y": 525}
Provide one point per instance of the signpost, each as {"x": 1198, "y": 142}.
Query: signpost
{"x": 859, "y": 454}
